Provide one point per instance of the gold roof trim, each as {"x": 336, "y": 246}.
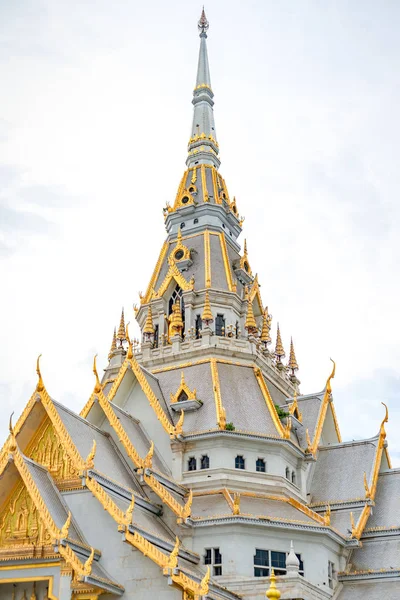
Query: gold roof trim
{"x": 221, "y": 414}
{"x": 283, "y": 432}
{"x": 172, "y": 273}
{"x": 227, "y": 264}
{"x": 207, "y": 258}
{"x": 312, "y": 446}
{"x": 156, "y": 273}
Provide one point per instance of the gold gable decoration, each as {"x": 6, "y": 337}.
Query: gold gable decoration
{"x": 183, "y": 392}
{"x": 46, "y": 449}
{"x": 22, "y": 533}
{"x": 180, "y": 252}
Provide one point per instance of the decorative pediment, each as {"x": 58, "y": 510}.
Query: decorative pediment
{"x": 46, "y": 449}
{"x": 180, "y": 255}
{"x": 22, "y": 532}
{"x": 173, "y": 274}
{"x": 183, "y": 392}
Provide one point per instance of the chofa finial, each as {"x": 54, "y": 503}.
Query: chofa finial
{"x": 97, "y": 386}
{"x": 203, "y": 24}
{"x": 40, "y": 384}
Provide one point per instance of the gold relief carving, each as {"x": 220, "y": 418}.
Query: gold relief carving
{"x": 46, "y": 449}
{"x": 20, "y": 525}
{"x": 221, "y": 414}
{"x": 207, "y": 258}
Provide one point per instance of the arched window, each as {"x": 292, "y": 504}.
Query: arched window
{"x": 192, "y": 464}
{"x": 205, "y": 462}
{"x": 239, "y": 462}
{"x": 220, "y": 325}
{"x": 293, "y": 477}
{"x": 287, "y": 473}
{"x": 260, "y": 465}
{"x": 175, "y": 297}
{"x": 198, "y": 325}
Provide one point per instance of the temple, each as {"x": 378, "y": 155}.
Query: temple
{"x": 197, "y": 468}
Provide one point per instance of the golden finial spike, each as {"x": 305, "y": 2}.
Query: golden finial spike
{"x": 97, "y": 386}
{"x": 187, "y": 509}
{"x": 331, "y": 376}
{"x": 236, "y": 504}
{"x": 179, "y": 425}
{"x": 148, "y": 326}
{"x": 366, "y": 487}
{"x": 385, "y": 420}
{"x": 130, "y": 348}
{"x": 279, "y": 351}
{"x": 173, "y": 557}
{"x": 129, "y": 511}
{"x": 33, "y": 595}
{"x": 176, "y": 322}
{"x": 88, "y": 564}
{"x": 292, "y": 358}
{"x": 245, "y": 248}
{"x": 40, "y": 384}
{"x": 266, "y": 328}
{"x": 66, "y": 526}
{"x": 308, "y": 440}
{"x": 12, "y": 445}
{"x": 353, "y": 526}
{"x": 204, "y": 587}
{"x": 113, "y": 344}
{"x": 121, "y": 329}
{"x": 272, "y": 592}
{"x": 89, "y": 463}
{"x": 207, "y": 315}
{"x": 148, "y": 461}
{"x": 250, "y": 323}
{"x": 327, "y": 515}
{"x": 179, "y": 236}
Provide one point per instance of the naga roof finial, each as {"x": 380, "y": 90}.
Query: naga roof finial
{"x": 203, "y": 24}
{"x": 40, "y": 384}
{"x": 97, "y": 386}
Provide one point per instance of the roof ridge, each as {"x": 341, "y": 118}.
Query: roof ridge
{"x": 349, "y": 443}
{"x": 83, "y": 420}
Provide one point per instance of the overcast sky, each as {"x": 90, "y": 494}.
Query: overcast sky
{"x": 95, "y": 115}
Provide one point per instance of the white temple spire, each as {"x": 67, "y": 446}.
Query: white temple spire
{"x": 203, "y": 145}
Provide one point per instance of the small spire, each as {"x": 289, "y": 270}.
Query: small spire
{"x": 292, "y": 562}
{"x": 207, "y": 315}
{"x": 148, "y": 329}
{"x": 250, "y": 324}
{"x": 292, "y": 359}
{"x": 273, "y": 593}
{"x": 176, "y": 321}
{"x": 279, "y": 351}
{"x": 121, "y": 330}
{"x": 266, "y": 328}
{"x": 113, "y": 344}
{"x": 203, "y": 24}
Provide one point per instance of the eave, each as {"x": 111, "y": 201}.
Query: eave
{"x": 272, "y": 523}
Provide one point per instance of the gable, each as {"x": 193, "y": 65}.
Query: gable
{"x": 46, "y": 449}
{"x": 22, "y": 531}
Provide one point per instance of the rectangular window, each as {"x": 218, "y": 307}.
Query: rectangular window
{"x": 212, "y": 556}
{"x": 331, "y": 574}
{"x": 156, "y": 336}
{"x": 239, "y": 462}
{"x": 265, "y": 559}
{"x": 261, "y": 563}
{"x": 192, "y": 463}
{"x": 220, "y": 325}
{"x": 260, "y": 465}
